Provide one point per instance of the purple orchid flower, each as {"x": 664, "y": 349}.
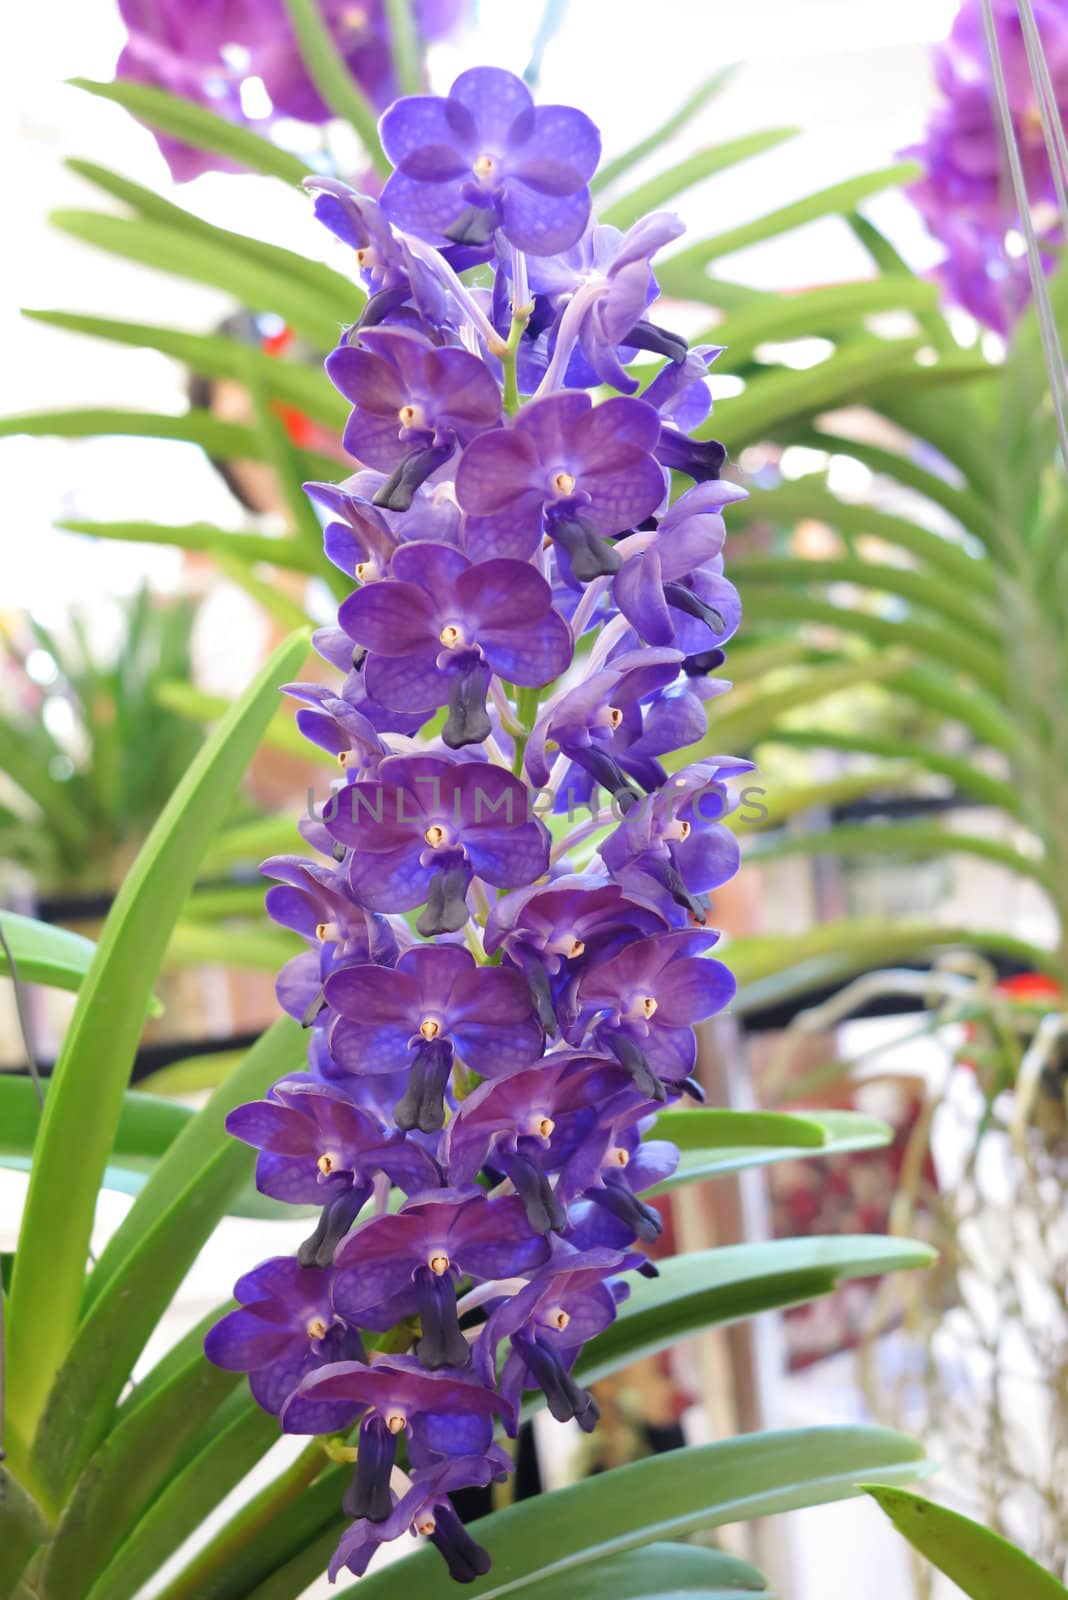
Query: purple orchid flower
{"x": 546, "y": 1324}
{"x": 604, "y": 285}
{"x": 396, "y": 1266}
{"x": 360, "y": 538}
{"x": 414, "y": 1017}
{"x": 550, "y": 931}
{"x": 673, "y": 849}
{"x": 440, "y": 1414}
{"x": 585, "y": 723}
{"x": 439, "y": 627}
{"x": 425, "y": 1508}
{"x": 485, "y": 157}
{"x": 317, "y": 1148}
{"x": 683, "y": 400}
{"x": 577, "y": 472}
{"x": 527, "y": 1124}
{"x": 426, "y": 827}
{"x": 609, "y": 1214}
{"x": 413, "y": 405}
{"x": 205, "y": 50}
{"x": 642, "y": 1004}
{"x": 671, "y": 586}
{"x": 963, "y": 197}
{"x": 335, "y": 725}
{"x": 283, "y": 1329}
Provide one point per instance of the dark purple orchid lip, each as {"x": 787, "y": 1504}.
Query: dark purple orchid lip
{"x": 506, "y": 920}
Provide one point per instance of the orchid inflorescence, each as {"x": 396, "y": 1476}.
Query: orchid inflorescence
{"x": 524, "y": 587}
{"x": 965, "y": 195}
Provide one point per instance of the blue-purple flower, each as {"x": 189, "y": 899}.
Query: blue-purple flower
{"x": 440, "y": 626}
{"x": 485, "y": 157}
{"x": 565, "y": 468}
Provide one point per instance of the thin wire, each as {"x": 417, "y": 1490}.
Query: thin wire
{"x": 1050, "y": 347}
{"x": 1048, "y": 110}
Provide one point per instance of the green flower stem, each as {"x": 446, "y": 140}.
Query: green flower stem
{"x": 405, "y": 45}
{"x": 509, "y": 361}
{"x": 333, "y": 79}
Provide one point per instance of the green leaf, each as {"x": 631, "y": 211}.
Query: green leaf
{"x": 574, "y": 1530}
{"x": 131, "y": 1465}
{"x": 186, "y": 1500}
{"x": 660, "y": 1572}
{"x": 667, "y": 130}
{"x": 815, "y": 312}
{"x": 899, "y": 838}
{"x": 144, "y": 1261}
{"x": 176, "y": 251}
{"x": 218, "y": 542}
{"x": 965, "y": 775}
{"x": 195, "y": 125}
{"x": 844, "y": 1132}
{"x": 779, "y": 395}
{"x": 216, "y": 356}
{"x": 839, "y": 198}
{"x": 810, "y": 497}
{"x": 22, "y": 1530}
{"x": 329, "y": 72}
{"x": 249, "y": 843}
{"x": 952, "y": 605}
{"x": 710, "y": 1288}
{"x": 147, "y": 1126}
{"x": 978, "y": 1561}
{"x": 771, "y": 968}
{"x": 84, "y": 1102}
{"x": 45, "y": 954}
{"x": 319, "y": 278}
{"x": 715, "y": 1128}
{"x": 786, "y": 803}
{"x": 745, "y": 724}
{"x": 224, "y": 439}
{"x": 694, "y": 169}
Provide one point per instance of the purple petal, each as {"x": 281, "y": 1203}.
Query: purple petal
{"x": 543, "y": 224}
{"x": 419, "y": 135}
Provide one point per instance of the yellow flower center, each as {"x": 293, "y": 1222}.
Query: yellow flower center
{"x": 411, "y": 416}
{"x": 558, "y": 1318}
{"x": 615, "y": 717}
{"x": 647, "y": 1006}
{"x": 483, "y": 166}
{"x": 439, "y": 1264}
{"x": 429, "y": 1028}
{"x": 563, "y": 484}
{"x": 425, "y": 1524}
{"x": 316, "y": 1328}
{"x": 616, "y": 1157}
{"x": 396, "y": 1421}
{"x": 450, "y": 636}
{"x": 435, "y": 836}
{"x": 326, "y": 931}
{"x": 327, "y": 1163}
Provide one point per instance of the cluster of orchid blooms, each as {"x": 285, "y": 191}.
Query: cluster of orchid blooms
{"x": 526, "y": 588}
{"x": 965, "y": 195}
